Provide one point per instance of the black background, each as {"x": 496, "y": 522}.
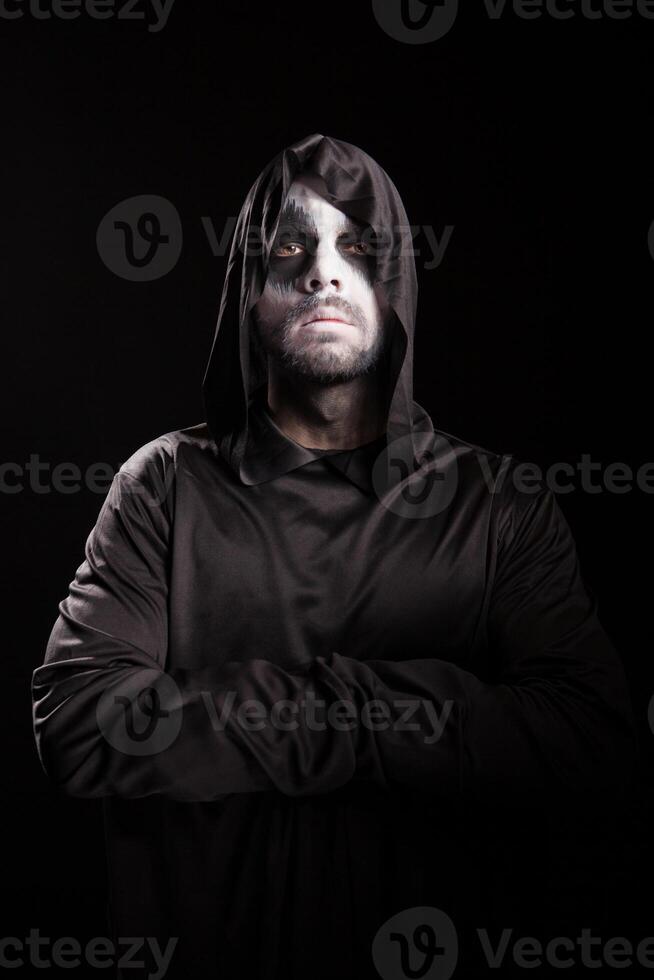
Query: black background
{"x": 530, "y": 137}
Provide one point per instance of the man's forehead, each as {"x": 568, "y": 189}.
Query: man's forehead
{"x": 306, "y": 209}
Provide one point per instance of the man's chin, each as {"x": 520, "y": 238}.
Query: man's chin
{"x": 328, "y": 367}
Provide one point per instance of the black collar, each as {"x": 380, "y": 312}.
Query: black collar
{"x": 270, "y": 453}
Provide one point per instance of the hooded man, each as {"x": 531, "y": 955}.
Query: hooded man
{"x": 322, "y": 661}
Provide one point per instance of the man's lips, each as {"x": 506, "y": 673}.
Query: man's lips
{"x": 326, "y": 318}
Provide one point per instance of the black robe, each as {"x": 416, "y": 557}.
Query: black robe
{"x": 229, "y": 564}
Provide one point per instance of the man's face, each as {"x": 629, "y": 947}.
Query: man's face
{"x": 320, "y": 313}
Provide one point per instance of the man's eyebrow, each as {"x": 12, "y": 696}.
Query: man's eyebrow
{"x": 296, "y": 217}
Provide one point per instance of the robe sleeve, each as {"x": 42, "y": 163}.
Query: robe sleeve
{"x": 110, "y": 720}
{"x": 556, "y": 722}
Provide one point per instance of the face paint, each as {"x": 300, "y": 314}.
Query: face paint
{"x": 320, "y": 266}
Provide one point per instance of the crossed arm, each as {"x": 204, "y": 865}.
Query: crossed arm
{"x": 557, "y": 722}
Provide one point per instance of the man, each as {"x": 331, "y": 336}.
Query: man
{"x": 323, "y": 663}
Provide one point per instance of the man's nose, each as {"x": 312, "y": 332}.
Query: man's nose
{"x": 324, "y": 268}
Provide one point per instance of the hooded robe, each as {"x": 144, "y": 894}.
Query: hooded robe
{"x": 411, "y": 587}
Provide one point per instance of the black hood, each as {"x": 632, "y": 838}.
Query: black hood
{"x": 361, "y": 189}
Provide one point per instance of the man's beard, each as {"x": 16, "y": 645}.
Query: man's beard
{"x": 323, "y": 359}
{"x": 320, "y": 356}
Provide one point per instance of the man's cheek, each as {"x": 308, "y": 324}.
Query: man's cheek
{"x": 361, "y": 269}
{"x": 272, "y": 305}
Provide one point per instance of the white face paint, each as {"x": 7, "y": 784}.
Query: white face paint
{"x": 321, "y": 268}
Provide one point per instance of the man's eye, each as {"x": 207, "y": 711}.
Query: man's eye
{"x": 286, "y": 249}
{"x": 358, "y": 248}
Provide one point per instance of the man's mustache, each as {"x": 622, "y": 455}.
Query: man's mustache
{"x": 314, "y": 303}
